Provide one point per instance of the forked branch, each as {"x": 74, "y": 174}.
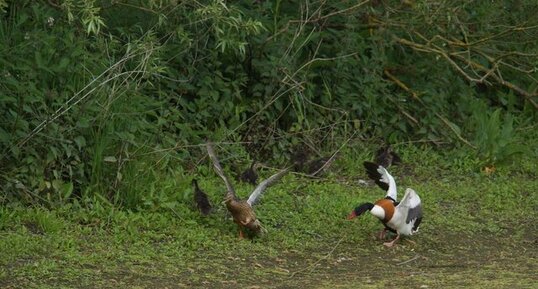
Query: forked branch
{"x": 460, "y": 63}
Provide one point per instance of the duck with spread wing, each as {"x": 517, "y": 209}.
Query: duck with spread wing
{"x": 402, "y": 218}
{"x": 242, "y": 210}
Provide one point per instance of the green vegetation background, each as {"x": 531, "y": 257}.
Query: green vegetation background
{"x": 102, "y": 98}
{"x": 106, "y": 106}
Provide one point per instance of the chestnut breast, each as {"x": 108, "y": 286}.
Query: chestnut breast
{"x": 388, "y": 207}
{"x": 241, "y": 211}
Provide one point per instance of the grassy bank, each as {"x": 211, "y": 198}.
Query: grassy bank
{"x": 479, "y": 230}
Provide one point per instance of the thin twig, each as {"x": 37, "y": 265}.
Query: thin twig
{"x": 331, "y": 159}
{"x": 488, "y": 72}
{"x": 442, "y": 118}
{"x": 410, "y": 260}
{"x": 434, "y": 141}
{"x": 319, "y": 260}
{"x": 313, "y": 20}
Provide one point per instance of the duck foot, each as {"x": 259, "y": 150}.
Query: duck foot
{"x": 391, "y": 243}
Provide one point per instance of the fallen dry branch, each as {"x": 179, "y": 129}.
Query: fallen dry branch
{"x": 311, "y": 267}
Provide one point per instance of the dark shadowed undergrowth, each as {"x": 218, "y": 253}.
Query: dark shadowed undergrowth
{"x": 479, "y": 230}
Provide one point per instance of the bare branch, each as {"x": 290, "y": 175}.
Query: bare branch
{"x": 487, "y": 73}
{"x": 415, "y": 96}
{"x": 344, "y": 10}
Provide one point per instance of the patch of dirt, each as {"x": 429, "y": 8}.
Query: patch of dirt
{"x": 448, "y": 260}
{"x": 457, "y": 260}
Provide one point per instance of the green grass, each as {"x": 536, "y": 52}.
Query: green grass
{"x": 478, "y": 231}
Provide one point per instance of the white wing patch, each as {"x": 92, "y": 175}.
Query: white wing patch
{"x": 388, "y": 179}
{"x": 410, "y": 199}
{"x": 410, "y": 213}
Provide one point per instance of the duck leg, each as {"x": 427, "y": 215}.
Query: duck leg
{"x": 382, "y": 234}
{"x": 391, "y": 243}
{"x": 241, "y": 236}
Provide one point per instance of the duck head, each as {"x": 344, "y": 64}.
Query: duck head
{"x": 359, "y": 210}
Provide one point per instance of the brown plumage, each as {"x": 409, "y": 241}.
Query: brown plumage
{"x": 243, "y": 214}
{"x": 242, "y": 210}
{"x": 250, "y": 175}
{"x": 318, "y": 166}
{"x": 314, "y": 167}
{"x": 299, "y": 158}
{"x": 388, "y": 207}
{"x": 201, "y": 200}
{"x": 386, "y": 157}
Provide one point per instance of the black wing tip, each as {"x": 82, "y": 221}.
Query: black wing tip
{"x": 374, "y": 174}
{"x": 371, "y": 169}
{"x": 415, "y": 213}
{"x": 417, "y": 223}
{"x": 386, "y": 156}
{"x": 369, "y": 164}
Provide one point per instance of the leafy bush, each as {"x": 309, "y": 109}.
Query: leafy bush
{"x": 91, "y": 97}
{"x": 495, "y": 137}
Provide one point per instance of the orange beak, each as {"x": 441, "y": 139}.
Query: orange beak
{"x": 352, "y": 215}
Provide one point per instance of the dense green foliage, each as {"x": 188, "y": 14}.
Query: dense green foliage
{"x": 104, "y": 98}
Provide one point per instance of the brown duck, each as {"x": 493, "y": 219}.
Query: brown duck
{"x": 313, "y": 168}
{"x": 201, "y": 200}
{"x": 317, "y": 167}
{"x": 386, "y": 157}
{"x": 250, "y": 175}
{"x": 242, "y": 210}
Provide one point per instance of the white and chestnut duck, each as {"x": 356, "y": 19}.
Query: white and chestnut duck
{"x": 402, "y": 218}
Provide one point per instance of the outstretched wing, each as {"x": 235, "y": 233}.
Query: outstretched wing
{"x": 382, "y": 178}
{"x": 412, "y": 204}
{"x": 258, "y": 191}
{"x": 218, "y": 168}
